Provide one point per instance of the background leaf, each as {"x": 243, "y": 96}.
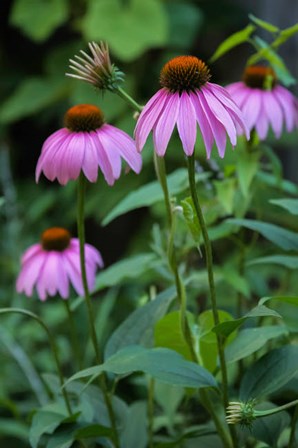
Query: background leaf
{"x": 232, "y": 41}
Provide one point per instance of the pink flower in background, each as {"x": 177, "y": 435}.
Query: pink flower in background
{"x": 54, "y": 262}
{"x": 86, "y": 143}
{"x": 264, "y": 103}
{"x": 186, "y": 99}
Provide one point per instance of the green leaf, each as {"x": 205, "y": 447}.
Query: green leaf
{"x": 130, "y": 28}
{"x": 285, "y": 239}
{"x": 269, "y": 428}
{"x": 225, "y": 192}
{"x": 150, "y": 194}
{"x": 93, "y": 430}
{"x": 292, "y": 300}
{"x": 137, "y": 328}
{"x": 270, "y": 373}
{"x": 285, "y": 35}
{"x": 247, "y": 166}
{"x": 33, "y": 95}
{"x": 191, "y": 219}
{"x": 267, "y": 52}
{"x": 44, "y": 422}
{"x": 132, "y": 267}
{"x": 291, "y": 205}
{"x": 135, "y": 430}
{"x": 161, "y": 363}
{"x": 232, "y": 41}
{"x": 263, "y": 24}
{"x": 168, "y": 333}
{"x": 250, "y": 340}
{"x": 38, "y": 18}
{"x": 207, "y": 341}
{"x": 288, "y": 261}
{"x": 226, "y": 328}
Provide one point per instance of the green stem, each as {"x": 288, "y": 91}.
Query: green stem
{"x": 52, "y": 346}
{"x": 209, "y": 263}
{"x": 128, "y": 99}
{"x": 74, "y": 336}
{"x": 257, "y": 413}
{"x": 81, "y": 235}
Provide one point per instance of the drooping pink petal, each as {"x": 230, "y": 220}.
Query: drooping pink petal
{"x": 90, "y": 160}
{"x": 221, "y": 113}
{"x": 103, "y": 160}
{"x": 274, "y": 112}
{"x": 164, "y": 126}
{"x": 53, "y": 162}
{"x": 49, "y": 149}
{"x": 286, "y": 100}
{"x": 186, "y": 124}
{"x": 216, "y": 127}
{"x": 93, "y": 255}
{"x": 203, "y": 122}
{"x": 149, "y": 116}
{"x": 262, "y": 124}
{"x": 111, "y": 153}
{"x": 232, "y": 105}
{"x": 124, "y": 145}
{"x": 30, "y": 252}
{"x": 72, "y": 267}
{"x": 251, "y": 108}
{"x": 41, "y": 285}
{"x": 71, "y": 158}
{"x": 30, "y": 272}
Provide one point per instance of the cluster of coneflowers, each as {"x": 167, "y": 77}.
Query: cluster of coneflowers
{"x": 86, "y": 144}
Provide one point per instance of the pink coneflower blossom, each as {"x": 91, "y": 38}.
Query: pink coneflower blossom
{"x": 264, "y": 103}
{"x": 86, "y": 143}
{"x": 186, "y": 99}
{"x": 54, "y": 262}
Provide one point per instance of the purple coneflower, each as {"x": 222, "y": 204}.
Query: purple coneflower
{"x": 85, "y": 143}
{"x": 52, "y": 263}
{"x": 263, "y": 102}
{"x": 187, "y": 98}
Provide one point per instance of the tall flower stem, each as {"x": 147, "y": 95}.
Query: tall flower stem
{"x": 209, "y": 263}
{"x": 73, "y": 335}
{"x": 128, "y": 99}
{"x": 81, "y": 235}
{"x": 294, "y": 427}
{"x": 52, "y": 346}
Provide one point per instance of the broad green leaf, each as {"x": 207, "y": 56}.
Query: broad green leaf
{"x": 270, "y": 373}
{"x": 225, "y": 192}
{"x": 288, "y": 261}
{"x": 250, "y": 340}
{"x": 291, "y": 300}
{"x": 137, "y": 328}
{"x": 135, "y": 432}
{"x": 130, "y": 28}
{"x": 232, "y": 41}
{"x": 168, "y": 333}
{"x": 291, "y": 205}
{"x": 161, "y": 363}
{"x": 191, "y": 219}
{"x": 226, "y": 328}
{"x": 247, "y": 166}
{"x": 44, "y": 422}
{"x": 269, "y": 428}
{"x": 285, "y": 185}
{"x": 38, "y": 18}
{"x": 30, "y": 97}
{"x": 263, "y": 24}
{"x": 132, "y": 267}
{"x": 207, "y": 341}
{"x": 150, "y": 194}
{"x": 62, "y": 438}
{"x": 285, "y": 239}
